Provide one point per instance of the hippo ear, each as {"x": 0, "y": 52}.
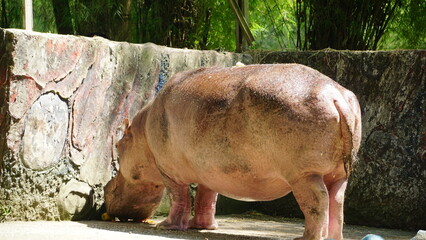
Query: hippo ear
{"x": 127, "y": 127}
{"x": 127, "y": 123}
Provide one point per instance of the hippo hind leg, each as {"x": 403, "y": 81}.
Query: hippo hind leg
{"x": 336, "y": 192}
{"x": 312, "y": 196}
{"x": 205, "y": 209}
{"x": 180, "y": 208}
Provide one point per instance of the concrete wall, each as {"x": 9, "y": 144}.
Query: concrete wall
{"x": 63, "y": 101}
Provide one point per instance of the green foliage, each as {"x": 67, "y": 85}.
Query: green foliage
{"x": 210, "y": 24}
{"x": 169, "y": 22}
{"x": 203, "y": 24}
{"x": 11, "y": 14}
{"x": 42, "y": 16}
{"x": 4, "y": 212}
{"x": 355, "y": 24}
{"x": 222, "y": 29}
{"x": 273, "y": 24}
{"x": 407, "y": 30}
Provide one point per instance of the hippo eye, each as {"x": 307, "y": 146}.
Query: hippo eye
{"x": 136, "y": 176}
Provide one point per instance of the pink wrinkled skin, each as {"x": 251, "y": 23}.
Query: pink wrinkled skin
{"x": 255, "y": 132}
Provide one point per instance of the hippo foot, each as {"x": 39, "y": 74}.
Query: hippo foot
{"x": 166, "y": 224}
{"x": 199, "y": 223}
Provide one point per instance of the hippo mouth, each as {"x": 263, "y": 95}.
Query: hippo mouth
{"x": 136, "y": 213}
{"x": 132, "y": 201}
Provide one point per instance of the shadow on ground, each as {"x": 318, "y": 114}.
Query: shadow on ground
{"x": 247, "y": 227}
{"x": 230, "y": 227}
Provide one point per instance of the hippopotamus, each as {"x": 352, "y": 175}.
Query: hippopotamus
{"x": 252, "y": 133}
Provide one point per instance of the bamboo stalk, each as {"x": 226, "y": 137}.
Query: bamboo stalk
{"x": 241, "y": 21}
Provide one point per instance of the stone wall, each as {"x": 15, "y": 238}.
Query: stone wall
{"x": 388, "y": 187}
{"x": 63, "y": 101}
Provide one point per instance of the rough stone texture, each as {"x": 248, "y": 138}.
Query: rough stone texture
{"x": 421, "y": 235}
{"x": 63, "y": 101}
{"x": 44, "y": 132}
{"x": 75, "y": 200}
{"x": 388, "y": 187}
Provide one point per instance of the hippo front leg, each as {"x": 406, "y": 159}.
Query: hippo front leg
{"x": 180, "y": 208}
{"x": 312, "y": 197}
{"x": 205, "y": 209}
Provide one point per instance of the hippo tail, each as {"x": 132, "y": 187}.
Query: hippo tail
{"x": 350, "y": 125}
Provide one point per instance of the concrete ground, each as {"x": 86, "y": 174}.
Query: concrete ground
{"x": 230, "y": 227}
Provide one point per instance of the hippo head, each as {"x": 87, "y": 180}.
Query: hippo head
{"x": 137, "y": 190}
{"x": 132, "y": 201}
